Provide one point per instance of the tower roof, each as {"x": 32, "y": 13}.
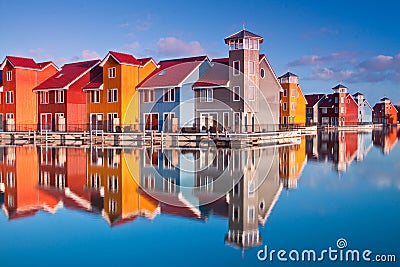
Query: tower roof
{"x": 339, "y": 86}
{"x": 357, "y": 94}
{"x": 243, "y": 34}
{"x": 287, "y": 75}
{"x": 385, "y": 99}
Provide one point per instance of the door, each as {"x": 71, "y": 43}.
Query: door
{"x": 110, "y": 121}
{"x": 96, "y": 122}
{"x": 45, "y": 122}
{"x": 168, "y": 121}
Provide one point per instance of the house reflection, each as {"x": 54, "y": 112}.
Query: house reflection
{"x": 385, "y": 139}
{"x": 18, "y": 184}
{"x": 340, "y": 148}
{"x": 292, "y": 160}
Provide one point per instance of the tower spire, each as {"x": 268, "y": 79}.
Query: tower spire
{"x": 243, "y": 25}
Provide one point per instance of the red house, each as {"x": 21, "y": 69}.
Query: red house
{"x": 384, "y": 112}
{"x": 17, "y": 102}
{"x": 61, "y": 101}
{"x": 338, "y": 109}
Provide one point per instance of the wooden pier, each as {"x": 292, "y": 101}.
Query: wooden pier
{"x": 146, "y": 139}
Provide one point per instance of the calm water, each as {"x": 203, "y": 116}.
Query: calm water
{"x": 109, "y": 207}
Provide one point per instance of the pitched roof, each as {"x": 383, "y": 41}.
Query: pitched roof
{"x": 384, "y": 99}
{"x": 339, "y": 86}
{"x": 46, "y": 64}
{"x": 96, "y": 79}
{"x": 243, "y": 34}
{"x": 216, "y": 76}
{"x": 172, "y": 73}
{"x": 121, "y": 58}
{"x": 357, "y": 94}
{"x": 68, "y": 74}
{"x": 329, "y": 101}
{"x": 314, "y": 99}
{"x": 287, "y": 75}
{"x": 21, "y": 62}
{"x": 224, "y": 60}
{"x": 146, "y": 60}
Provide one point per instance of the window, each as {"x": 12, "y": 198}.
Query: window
{"x": 10, "y": 201}
{"x": 112, "y": 95}
{"x": 284, "y": 92}
{"x": 169, "y": 95}
{"x": 336, "y": 100}
{"x": 342, "y": 99}
{"x": 151, "y": 121}
{"x": 348, "y": 101}
{"x": 44, "y": 97}
{"x": 336, "y": 109}
{"x": 9, "y": 76}
{"x": 236, "y": 93}
{"x": 251, "y": 68}
{"x": 341, "y": 109}
{"x": 149, "y": 182}
{"x": 236, "y": 67}
{"x": 10, "y": 178}
{"x": 9, "y": 116}
{"x": 262, "y": 73}
{"x": 112, "y": 206}
{"x": 293, "y": 92}
{"x": 235, "y": 213}
{"x": 95, "y": 96}
{"x": 236, "y": 188}
{"x": 9, "y": 97}
{"x": 284, "y": 106}
{"x": 226, "y": 120}
{"x": 59, "y": 96}
{"x": 60, "y": 181}
{"x": 309, "y": 110}
{"x": 148, "y": 96}
{"x": 206, "y": 95}
{"x": 250, "y": 215}
{"x": 293, "y": 106}
{"x": 169, "y": 185}
{"x": 111, "y": 72}
{"x": 324, "y": 110}
{"x": 113, "y": 183}
{"x": 252, "y": 92}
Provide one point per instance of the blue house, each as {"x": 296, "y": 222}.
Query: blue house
{"x": 166, "y": 96}
{"x": 364, "y": 109}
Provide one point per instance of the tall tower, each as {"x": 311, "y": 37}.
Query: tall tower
{"x": 340, "y": 93}
{"x": 243, "y": 74}
{"x": 289, "y": 83}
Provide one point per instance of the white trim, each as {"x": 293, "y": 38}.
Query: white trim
{"x": 272, "y": 71}
{"x": 93, "y": 89}
{"x": 50, "y": 64}
{"x": 103, "y": 62}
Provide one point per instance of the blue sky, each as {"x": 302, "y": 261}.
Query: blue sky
{"x": 356, "y": 42}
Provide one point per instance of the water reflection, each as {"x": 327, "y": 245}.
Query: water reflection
{"x": 241, "y": 186}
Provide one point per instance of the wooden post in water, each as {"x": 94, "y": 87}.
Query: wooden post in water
{"x": 162, "y": 139}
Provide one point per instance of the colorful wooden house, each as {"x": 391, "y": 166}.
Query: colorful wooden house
{"x": 338, "y": 109}
{"x": 61, "y": 102}
{"x": 112, "y": 100}
{"x": 385, "y": 112}
{"x": 293, "y": 102}
{"x": 17, "y": 102}
{"x": 292, "y": 160}
{"x": 312, "y": 107}
{"x": 386, "y": 139}
{"x": 364, "y": 109}
{"x": 166, "y": 96}
{"x": 239, "y": 93}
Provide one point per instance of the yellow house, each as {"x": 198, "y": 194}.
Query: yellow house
{"x": 293, "y": 101}
{"x": 292, "y": 160}
{"x": 112, "y": 101}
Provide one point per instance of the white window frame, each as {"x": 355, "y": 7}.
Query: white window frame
{"x": 148, "y": 96}
{"x": 252, "y": 68}
{"x": 236, "y": 93}
{"x": 206, "y": 95}
{"x": 9, "y": 97}
{"x": 169, "y": 95}
{"x": 294, "y": 106}
{"x": 225, "y": 120}
{"x": 324, "y": 110}
{"x": 252, "y": 93}
{"x": 236, "y": 71}
{"x": 151, "y": 120}
{"x": 112, "y": 183}
{"x": 95, "y": 96}
{"x": 112, "y": 206}
{"x": 59, "y": 96}
{"x": 262, "y": 73}
{"x": 9, "y": 116}
{"x": 9, "y": 76}
{"x": 112, "y": 95}
{"x": 112, "y": 72}
{"x": 284, "y": 106}
{"x": 44, "y": 97}
{"x": 285, "y": 92}
{"x": 251, "y": 208}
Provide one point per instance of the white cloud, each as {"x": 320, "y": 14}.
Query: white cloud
{"x": 171, "y": 46}
{"x": 133, "y": 46}
{"x": 86, "y": 55}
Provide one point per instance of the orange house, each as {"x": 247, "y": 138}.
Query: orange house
{"x": 111, "y": 99}
{"x": 112, "y": 180}
{"x": 385, "y": 112}
{"x": 293, "y": 101}
{"x": 292, "y": 160}
{"x": 23, "y": 197}
{"x": 17, "y": 102}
